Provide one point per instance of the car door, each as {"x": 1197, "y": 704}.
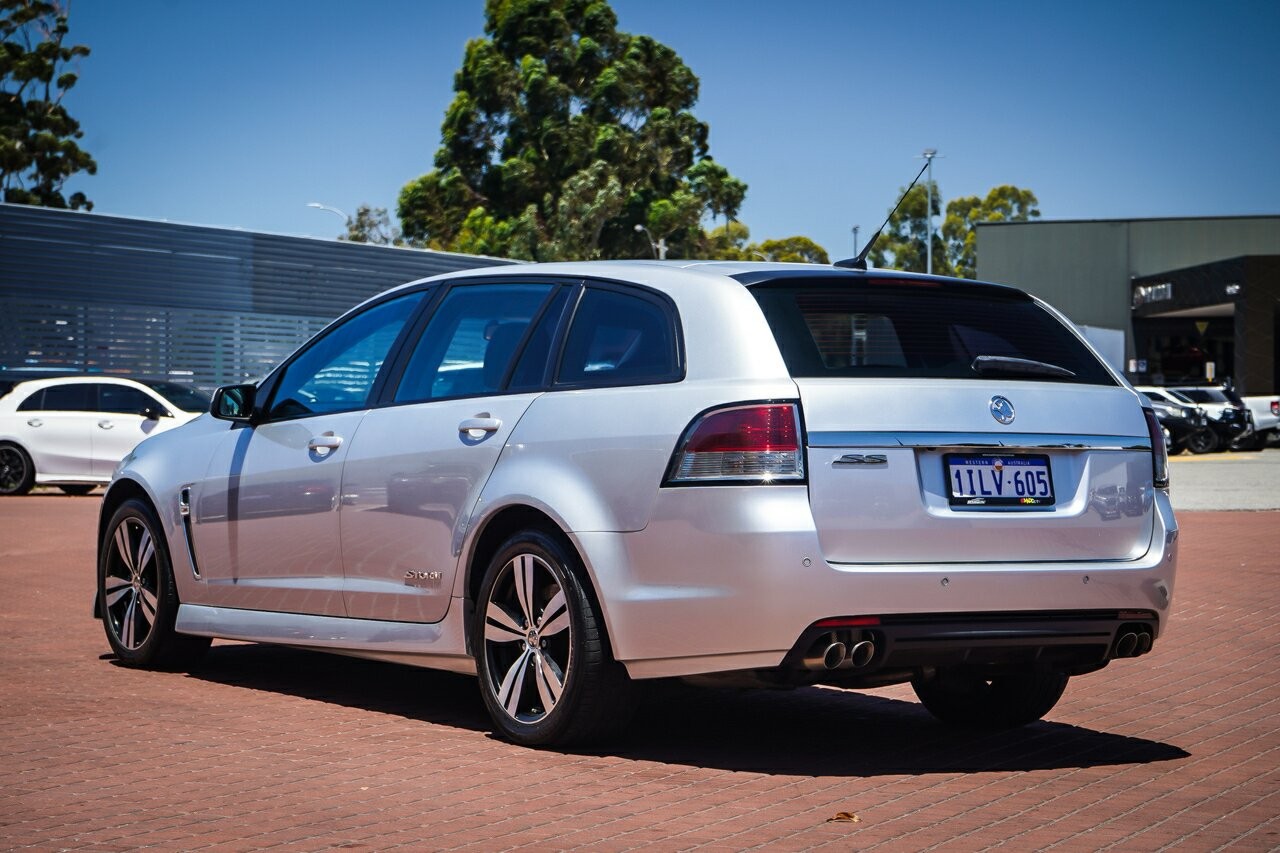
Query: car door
{"x": 55, "y": 425}
{"x": 120, "y": 424}
{"x": 417, "y": 465}
{"x": 266, "y": 532}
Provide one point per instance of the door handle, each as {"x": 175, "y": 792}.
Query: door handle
{"x": 35, "y": 422}
{"x": 324, "y": 442}
{"x": 105, "y": 425}
{"x": 474, "y": 425}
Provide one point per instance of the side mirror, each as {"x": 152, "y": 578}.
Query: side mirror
{"x": 154, "y": 413}
{"x": 234, "y": 402}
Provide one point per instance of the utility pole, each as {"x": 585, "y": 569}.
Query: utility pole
{"x": 855, "y": 241}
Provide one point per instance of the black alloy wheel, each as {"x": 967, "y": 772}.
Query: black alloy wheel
{"x": 17, "y": 474}
{"x": 1203, "y": 441}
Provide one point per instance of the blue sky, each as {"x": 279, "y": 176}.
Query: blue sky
{"x": 237, "y": 113}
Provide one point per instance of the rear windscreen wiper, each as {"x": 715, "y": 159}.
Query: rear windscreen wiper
{"x": 988, "y": 365}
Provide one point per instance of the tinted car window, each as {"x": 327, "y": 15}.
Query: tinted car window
{"x": 470, "y": 341}
{"x": 619, "y": 338}
{"x": 888, "y": 330}
{"x": 124, "y": 400}
{"x": 61, "y": 398}
{"x": 186, "y": 398}
{"x": 531, "y": 369}
{"x": 336, "y": 372}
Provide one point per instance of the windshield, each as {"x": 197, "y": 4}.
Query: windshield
{"x": 893, "y": 330}
{"x": 1209, "y": 395}
{"x": 185, "y": 397}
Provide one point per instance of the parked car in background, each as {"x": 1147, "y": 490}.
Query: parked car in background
{"x": 1265, "y": 411}
{"x": 1179, "y": 420}
{"x": 70, "y": 431}
{"x": 1228, "y": 416}
{"x": 1226, "y": 421}
{"x": 564, "y": 478}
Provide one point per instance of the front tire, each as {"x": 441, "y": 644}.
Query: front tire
{"x": 1203, "y": 441}
{"x": 973, "y": 700}
{"x": 137, "y": 596}
{"x": 17, "y": 473}
{"x": 546, "y": 674}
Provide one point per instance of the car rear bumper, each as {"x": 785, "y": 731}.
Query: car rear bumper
{"x": 727, "y": 579}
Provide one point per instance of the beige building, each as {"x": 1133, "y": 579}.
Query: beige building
{"x": 1195, "y": 298}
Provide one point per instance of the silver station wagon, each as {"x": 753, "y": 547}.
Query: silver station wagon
{"x": 568, "y": 478}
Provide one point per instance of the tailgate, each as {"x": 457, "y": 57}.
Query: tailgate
{"x": 892, "y": 467}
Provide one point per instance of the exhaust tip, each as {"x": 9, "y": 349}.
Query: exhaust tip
{"x": 1126, "y": 645}
{"x": 862, "y": 653}
{"x": 834, "y": 655}
{"x": 1144, "y": 644}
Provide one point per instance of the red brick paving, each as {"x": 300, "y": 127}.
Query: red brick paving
{"x": 269, "y": 748}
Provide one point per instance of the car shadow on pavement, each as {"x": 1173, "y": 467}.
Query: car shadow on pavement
{"x": 807, "y": 731}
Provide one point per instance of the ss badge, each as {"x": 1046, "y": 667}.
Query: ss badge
{"x": 862, "y": 459}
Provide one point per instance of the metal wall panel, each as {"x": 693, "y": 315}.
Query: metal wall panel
{"x": 208, "y": 306}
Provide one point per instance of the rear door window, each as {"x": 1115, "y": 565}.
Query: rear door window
{"x": 890, "y": 330}
{"x": 468, "y": 346}
{"x": 77, "y": 397}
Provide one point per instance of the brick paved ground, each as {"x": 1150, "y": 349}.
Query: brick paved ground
{"x": 272, "y": 748}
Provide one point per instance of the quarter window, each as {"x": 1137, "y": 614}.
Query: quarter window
{"x": 336, "y": 373}
{"x": 619, "y": 339}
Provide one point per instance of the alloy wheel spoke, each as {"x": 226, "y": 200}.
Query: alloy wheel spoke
{"x": 127, "y": 624}
{"x": 150, "y": 604}
{"x": 500, "y": 626}
{"x": 116, "y": 592}
{"x": 123, "y": 548}
{"x": 513, "y": 684}
{"x": 550, "y": 680}
{"x": 523, "y": 569}
{"x": 146, "y": 551}
{"x": 555, "y": 618}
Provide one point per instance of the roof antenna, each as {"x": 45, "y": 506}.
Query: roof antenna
{"x": 860, "y": 262}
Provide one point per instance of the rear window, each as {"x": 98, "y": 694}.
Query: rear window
{"x": 905, "y": 331}
{"x": 1211, "y": 395}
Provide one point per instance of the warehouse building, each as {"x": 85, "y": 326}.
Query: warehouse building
{"x": 1195, "y": 299}
{"x": 85, "y": 292}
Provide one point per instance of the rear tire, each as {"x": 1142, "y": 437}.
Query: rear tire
{"x": 546, "y": 673}
{"x": 970, "y": 699}
{"x": 137, "y": 596}
{"x": 1203, "y": 441}
{"x": 17, "y": 474}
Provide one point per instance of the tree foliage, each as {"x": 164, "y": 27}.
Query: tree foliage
{"x": 728, "y": 242}
{"x": 563, "y": 135}
{"x": 902, "y": 245}
{"x": 1004, "y": 203}
{"x": 38, "y": 149}
{"x": 372, "y": 225}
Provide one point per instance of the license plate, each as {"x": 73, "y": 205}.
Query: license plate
{"x": 982, "y": 480}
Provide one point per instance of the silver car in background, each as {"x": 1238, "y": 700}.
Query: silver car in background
{"x": 567, "y": 478}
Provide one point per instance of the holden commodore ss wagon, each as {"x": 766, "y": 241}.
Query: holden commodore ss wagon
{"x": 568, "y": 478}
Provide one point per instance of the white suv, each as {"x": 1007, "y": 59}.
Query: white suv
{"x": 71, "y": 430}
{"x": 567, "y": 478}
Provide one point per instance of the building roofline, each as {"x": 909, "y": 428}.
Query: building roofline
{"x": 1133, "y": 219}
{"x": 232, "y": 229}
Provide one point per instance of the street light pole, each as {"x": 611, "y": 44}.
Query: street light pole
{"x": 855, "y": 241}
{"x": 659, "y": 246}
{"x": 318, "y": 206}
{"x": 929, "y": 154}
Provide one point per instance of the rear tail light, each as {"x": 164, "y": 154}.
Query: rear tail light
{"x": 1159, "y": 451}
{"x": 1275, "y": 407}
{"x": 746, "y": 443}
